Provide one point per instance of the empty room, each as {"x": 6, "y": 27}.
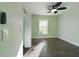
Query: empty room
{"x": 51, "y": 29}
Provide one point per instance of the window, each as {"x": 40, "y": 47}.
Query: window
{"x": 43, "y": 26}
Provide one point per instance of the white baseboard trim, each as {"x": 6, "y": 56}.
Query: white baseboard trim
{"x": 68, "y": 41}
{"x": 27, "y": 46}
{"x": 46, "y": 37}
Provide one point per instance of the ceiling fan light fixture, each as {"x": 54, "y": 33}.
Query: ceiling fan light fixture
{"x": 54, "y": 10}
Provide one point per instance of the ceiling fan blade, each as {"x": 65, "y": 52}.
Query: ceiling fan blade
{"x": 55, "y": 12}
{"x": 61, "y": 8}
{"x": 48, "y": 11}
{"x": 57, "y": 4}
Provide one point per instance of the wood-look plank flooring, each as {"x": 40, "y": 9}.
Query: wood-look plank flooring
{"x": 25, "y": 50}
{"x": 55, "y": 47}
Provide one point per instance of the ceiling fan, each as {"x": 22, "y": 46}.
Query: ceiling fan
{"x": 54, "y": 8}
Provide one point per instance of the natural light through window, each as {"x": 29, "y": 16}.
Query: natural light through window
{"x": 43, "y": 26}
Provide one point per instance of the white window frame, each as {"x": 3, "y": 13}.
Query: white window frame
{"x": 46, "y": 26}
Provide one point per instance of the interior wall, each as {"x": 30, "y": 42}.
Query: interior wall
{"x": 10, "y": 47}
{"x": 27, "y": 30}
{"x": 69, "y": 24}
{"x": 52, "y": 26}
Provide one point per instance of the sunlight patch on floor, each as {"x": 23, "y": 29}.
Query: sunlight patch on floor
{"x": 37, "y": 50}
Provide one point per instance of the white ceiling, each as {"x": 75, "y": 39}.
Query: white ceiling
{"x": 40, "y": 8}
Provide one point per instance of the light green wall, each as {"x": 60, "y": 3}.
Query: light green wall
{"x": 10, "y": 47}
{"x": 52, "y": 25}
